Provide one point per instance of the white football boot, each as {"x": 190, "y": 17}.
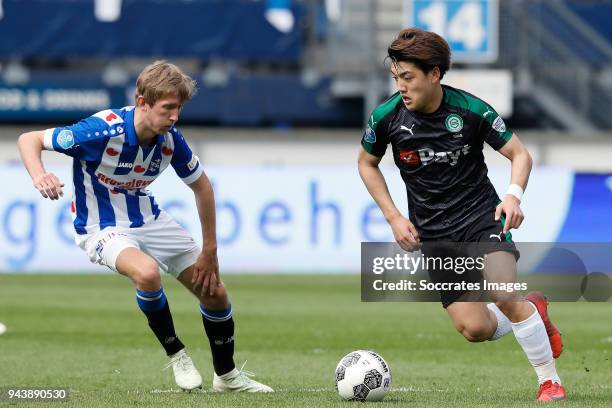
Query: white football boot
{"x": 238, "y": 381}
{"x": 186, "y": 375}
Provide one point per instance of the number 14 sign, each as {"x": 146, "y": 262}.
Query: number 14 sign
{"x": 469, "y": 26}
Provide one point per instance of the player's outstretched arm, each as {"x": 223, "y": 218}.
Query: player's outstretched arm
{"x": 206, "y": 269}
{"x": 31, "y": 145}
{"x": 521, "y": 160}
{"x": 404, "y": 231}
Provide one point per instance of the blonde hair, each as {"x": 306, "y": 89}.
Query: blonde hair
{"x": 161, "y": 78}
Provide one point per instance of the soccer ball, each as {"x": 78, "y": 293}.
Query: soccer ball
{"x": 363, "y": 376}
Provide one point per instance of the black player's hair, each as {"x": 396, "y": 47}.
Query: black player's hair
{"x": 425, "y": 49}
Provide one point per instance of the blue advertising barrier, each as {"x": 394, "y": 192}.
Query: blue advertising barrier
{"x": 57, "y": 97}
{"x": 257, "y": 99}
{"x": 314, "y": 223}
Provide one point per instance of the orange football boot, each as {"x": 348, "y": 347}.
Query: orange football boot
{"x": 550, "y": 392}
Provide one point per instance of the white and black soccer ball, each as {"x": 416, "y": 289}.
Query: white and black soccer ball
{"x": 363, "y": 376}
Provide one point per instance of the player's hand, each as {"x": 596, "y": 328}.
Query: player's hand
{"x": 49, "y": 186}
{"x": 206, "y": 272}
{"x": 405, "y": 233}
{"x": 511, "y": 207}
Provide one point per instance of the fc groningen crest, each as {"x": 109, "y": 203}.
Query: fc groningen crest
{"x": 454, "y": 123}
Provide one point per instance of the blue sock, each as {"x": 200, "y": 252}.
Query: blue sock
{"x": 216, "y": 315}
{"x": 155, "y": 306}
{"x": 151, "y": 301}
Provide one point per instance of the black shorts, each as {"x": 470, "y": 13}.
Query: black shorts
{"x": 483, "y": 236}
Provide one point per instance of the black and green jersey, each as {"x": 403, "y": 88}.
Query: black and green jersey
{"x": 440, "y": 158}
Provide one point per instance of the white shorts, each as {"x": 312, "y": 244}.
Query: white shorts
{"x": 163, "y": 239}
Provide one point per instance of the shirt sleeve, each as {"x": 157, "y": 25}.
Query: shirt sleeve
{"x": 84, "y": 140}
{"x": 375, "y": 137}
{"x": 185, "y": 163}
{"x": 493, "y": 130}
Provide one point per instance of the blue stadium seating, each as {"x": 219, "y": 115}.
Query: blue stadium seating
{"x": 234, "y": 30}
{"x": 566, "y": 34}
{"x": 597, "y": 14}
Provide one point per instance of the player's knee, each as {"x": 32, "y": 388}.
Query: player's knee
{"x": 474, "y": 332}
{"x": 220, "y": 293}
{"x": 218, "y": 299}
{"x": 148, "y": 275}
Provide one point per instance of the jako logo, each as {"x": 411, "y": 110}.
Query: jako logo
{"x": 124, "y": 165}
{"x": 426, "y": 156}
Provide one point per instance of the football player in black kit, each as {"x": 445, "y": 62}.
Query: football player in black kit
{"x": 437, "y": 134}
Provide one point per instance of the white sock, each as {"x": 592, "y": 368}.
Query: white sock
{"x": 504, "y": 325}
{"x": 531, "y": 335}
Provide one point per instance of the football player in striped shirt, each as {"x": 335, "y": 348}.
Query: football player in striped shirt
{"x": 116, "y": 154}
{"x": 437, "y": 134}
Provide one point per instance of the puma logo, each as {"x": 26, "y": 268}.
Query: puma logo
{"x": 408, "y": 129}
{"x": 498, "y": 236}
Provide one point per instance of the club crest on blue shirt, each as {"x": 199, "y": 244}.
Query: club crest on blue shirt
{"x": 65, "y": 139}
{"x": 369, "y": 135}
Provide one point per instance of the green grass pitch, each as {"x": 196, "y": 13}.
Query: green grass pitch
{"x": 85, "y": 332}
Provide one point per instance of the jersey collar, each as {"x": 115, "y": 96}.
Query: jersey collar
{"x": 160, "y": 140}
{"x": 130, "y": 130}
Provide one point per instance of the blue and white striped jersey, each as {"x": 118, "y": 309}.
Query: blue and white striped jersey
{"x": 111, "y": 170}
